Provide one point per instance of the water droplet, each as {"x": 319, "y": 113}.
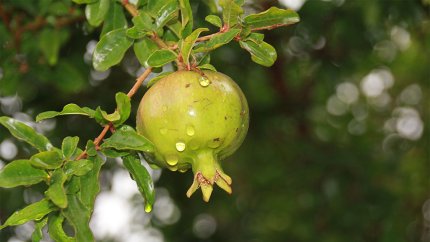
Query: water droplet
{"x": 190, "y": 130}
{"x": 183, "y": 170}
{"x": 214, "y": 143}
{"x": 204, "y": 81}
{"x": 172, "y": 160}
{"x": 180, "y": 146}
{"x": 148, "y": 208}
{"x": 163, "y": 131}
{"x": 164, "y": 108}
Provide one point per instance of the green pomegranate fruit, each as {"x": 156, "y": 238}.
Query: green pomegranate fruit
{"x": 194, "y": 120}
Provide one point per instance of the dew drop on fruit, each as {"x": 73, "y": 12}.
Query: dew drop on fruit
{"x": 214, "y": 143}
{"x": 163, "y": 131}
{"x": 180, "y": 146}
{"x": 204, "y": 81}
{"x": 190, "y": 130}
{"x": 172, "y": 160}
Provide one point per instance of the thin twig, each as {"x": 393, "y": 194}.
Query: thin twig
{"x": 107, "y": 127}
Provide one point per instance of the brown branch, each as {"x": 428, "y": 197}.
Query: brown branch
{"x": 107, "y": 127}
{"x": 139, "y": 82}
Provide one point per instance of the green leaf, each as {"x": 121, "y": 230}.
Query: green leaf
{"x": 186, "y": 17}
{"x": 91, "y": 148}
{"x": 162, "y": 11}
{"x": 123, "y": 106}
{"x": 56, "y": 192}
{"x": 189, "y": 42}
{"x": 47, "y": 160}
{"x": 207, "y": 67}
{"x": 69, "y": 146}
{"x": 90, "y": 185}
{"x": 261, "y": 53}
{"x": 20, "y": 173}
{"x": 126, "y": 138}
{"x": 115, "y": 18}
{"x": 113, "y": 153}
{"x": 142, "y": 178}
{"x": 103, "y": 118}
{"x": 24, "y": 132}
{"x": 211, "y": 5}
{"x": 273, "y": 17}
{"x": 83, "y": 1}
{"x": 136, "y": 33}
{"x": 78, "y": 216}
{"x": 69, "y": 109}
{"x": 55, "y": 229}
{"x": 176, "y": 28}
{"x": 231, "y": 11}
{"x": 161, "y": 57}
{"x": 143, "y": 22}
{"x": 143, "y": 49}
{"x": 50, "y": 41}
{"x": 157, "y": 78}
{"x": 96, "y": 12}
{"x": 37, "y": 234}
{"x": 78, "y": 167}
{"x": 218, "y": 41}
{"x": 110, "y": 49}
{"x": 34, "y": 211}
{"x": 214, "y": 20}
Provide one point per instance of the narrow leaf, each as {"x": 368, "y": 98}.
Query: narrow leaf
{"x": 143, "y": 49}
{"x": 262, "y": 53}
{"x": 26, "y": 133}
{"x": 218, "y": 41}
{"x": 56, "y": 192}
{"x": 142, "y": 178}
{"x": 162, "y": 11}
{"x": 115, "y": 18}
{"x": 78, "y": 216}
{"x": 127, "y": 139}
{"x": 110, "y": 49}
{"x": 37, "y": 234}
{"x": 207, "y": 67}
{"x": 96, "y": 12}
{"x": 214, "y": 20}
{"x": 55, "y": 229}
{"x": 231, "y": 11}
{"x": 20, "y": 173}
{"x": 161, "y": 57}
{"x": 69, "y": 109}
{"x": 50, "y": 41}
{"x": 78, "y": 167}
{"x": 186, "y": 17}
{"x": 123, "y": 106}
{"x": 69, "y": 146}
{"x": 83, "y": 1}
{"x": 33, "y": 211}
{"x": 189, "y": 42}
{"x": 273, "y": 17}
{"x": 47, "y": 160}
{"x": 143, "y": 22}
{"x": 90, "y": 185}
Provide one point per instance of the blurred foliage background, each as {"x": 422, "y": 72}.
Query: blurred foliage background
{"x": 338, "y": 147}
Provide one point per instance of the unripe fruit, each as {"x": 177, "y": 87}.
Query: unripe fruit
{"x": 194, "y": 120}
